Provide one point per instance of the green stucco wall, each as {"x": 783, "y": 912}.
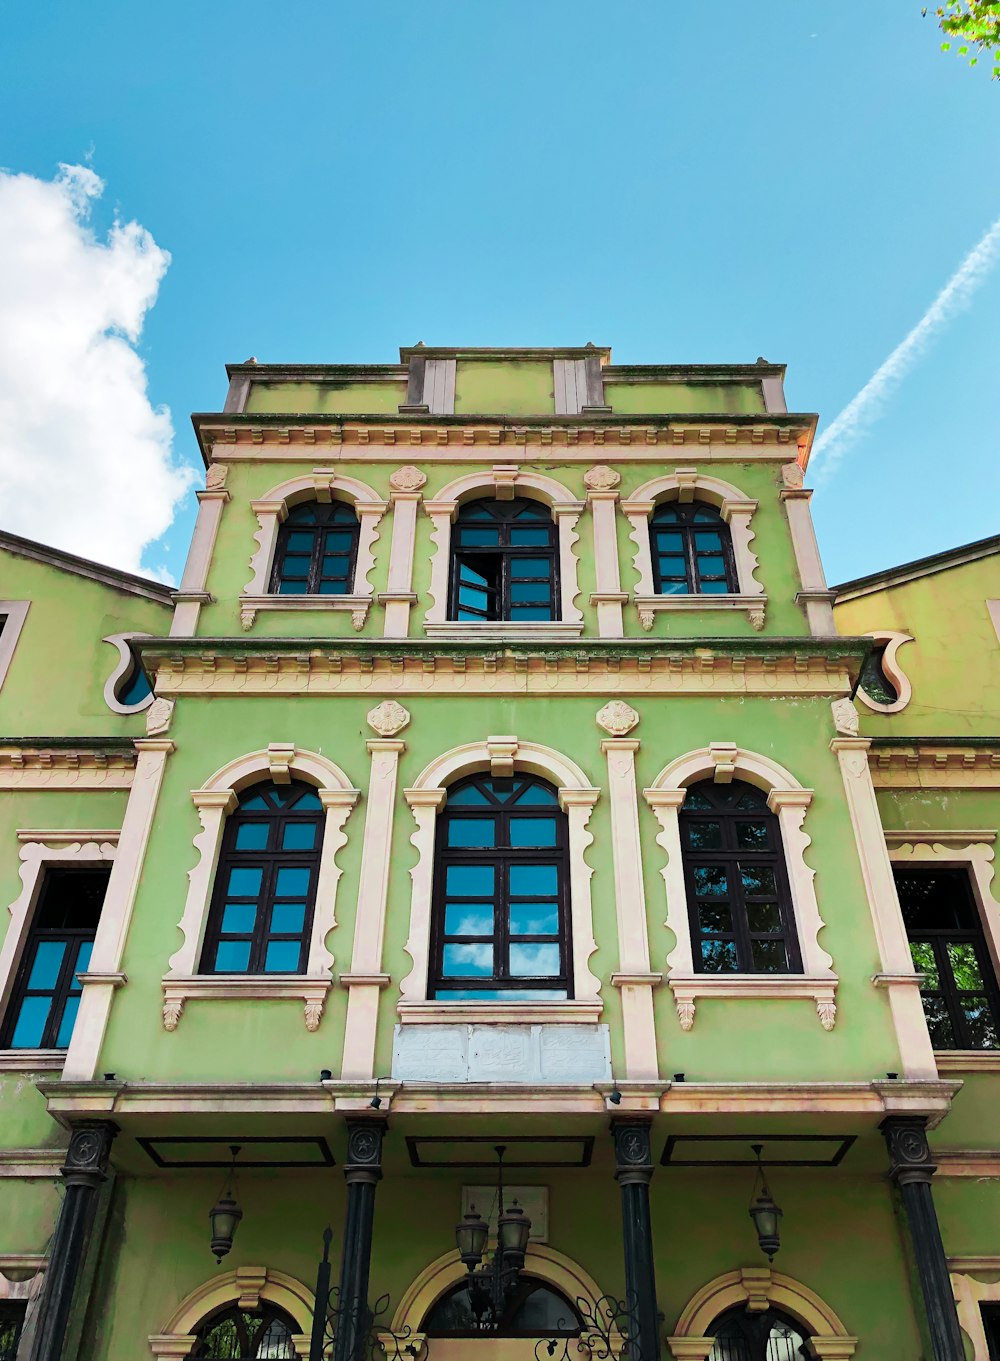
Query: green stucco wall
{"x": 375, "y": 398}
{"x": 640, "y": 399}
{"x": 515, "y": 387}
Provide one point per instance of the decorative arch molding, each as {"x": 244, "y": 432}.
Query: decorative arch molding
{"x": 69, "y": 849}
{"x": 541, "y": 1261}
{"x": 737, "y": 510}
{"x": 246, "y": 1287}
{"x": 321, "y": 485}
{"x": 970, "y": 1294}
{"x": 893, "y": 641}
{"x": 427, "y": 796}
{"x": 758, "y": 1289}
{"x": 504, "y": 482}
{"x": 125, "y": 663}
{"x": 280, "y": 763}
{"x": 723, "y": 762}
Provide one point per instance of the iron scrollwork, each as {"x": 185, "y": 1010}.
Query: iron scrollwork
{"x": 608, "y": 1327}
{"x": 374, "y": 1339}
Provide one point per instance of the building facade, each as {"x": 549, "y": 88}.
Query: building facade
{"x": 502, "y": 774}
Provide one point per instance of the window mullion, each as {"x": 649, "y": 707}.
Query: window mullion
{"x": 501, "y": 926}
{"x": 947, "y": 988}
{"x": 690, "y": 561}
{"x": 60, "y": 992}
{"x": 265, "y": 902}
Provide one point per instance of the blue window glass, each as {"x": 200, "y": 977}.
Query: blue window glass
{"x": 46, "y": 991}
{"x": 134, "y": 688}
{"x": 691, "y": 550}
{"x": 316, "y": 550}
{"x": 500, "y": 911}
{"x": 252, "y": 836}
{"x": 261, "y": 912}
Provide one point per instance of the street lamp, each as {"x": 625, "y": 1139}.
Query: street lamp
{"x": 764, "y": 1212}
{"x": 491, "y": 1286}
{"x": 225, "y": 1214}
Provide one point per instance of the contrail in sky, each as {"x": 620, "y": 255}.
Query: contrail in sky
{"x": 863, "y": 409}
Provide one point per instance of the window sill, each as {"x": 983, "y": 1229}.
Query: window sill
{"x": 358, "y": 605}
{"x": 439, "y": 1012}
{"x": 967, "y": 1060}
{"x": 650, "y": 605}
{"x": 32, "y": 1060}
{"x": 688, "y": 988}
{"x": 502, "y": 630}
{"x": 310, "y": 990}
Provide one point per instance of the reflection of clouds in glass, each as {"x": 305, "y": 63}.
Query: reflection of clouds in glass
{"x": 468, "y": 960}
{"x": 468, "y": 919}
{"x": 534, "y": 919}
{"x": 534, "y": 961}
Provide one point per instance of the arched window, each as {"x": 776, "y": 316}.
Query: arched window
{"x": 265, "y": 887}
{"x": 235, "y": 1334}
{"x": 504, "y": 561}
{"x": 534, "y": 1309}
{"x": 500, "y": 925}
{"x": 316, "y": 550}
{"x": 770, "y": 1336}
{"x": 873, "y": 679}
{"x": 737, "y": 887}
{"x": 692, "y": 550}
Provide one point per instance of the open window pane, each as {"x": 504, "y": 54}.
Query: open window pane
{"x": 492, "y": 578}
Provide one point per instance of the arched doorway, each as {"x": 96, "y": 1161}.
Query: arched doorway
{"x": 769, "y": 1336}
{"x": 535, "y": 1310}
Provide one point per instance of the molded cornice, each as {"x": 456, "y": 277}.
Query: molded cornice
{"x": 799, "y": 666}
{"x": 298, "y": 434}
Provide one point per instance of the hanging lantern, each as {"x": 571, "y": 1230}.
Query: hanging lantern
{"x": 471, "y": 1237}
{"x": 764, "y": 1212}
{"x": 513, "y": 1229}
{"x": 225, "y": 1214}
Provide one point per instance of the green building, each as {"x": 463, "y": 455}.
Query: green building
{"x": 510, "y": 778}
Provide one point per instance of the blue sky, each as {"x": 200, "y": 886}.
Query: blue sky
{"x": 685, "y": 182}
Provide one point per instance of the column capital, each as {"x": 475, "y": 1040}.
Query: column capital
{"x": 88, "y": 1153}
{"x": 910, "y": 1158}
{"x": 633, "y": 1149}
{"x": 364, "y": 1148}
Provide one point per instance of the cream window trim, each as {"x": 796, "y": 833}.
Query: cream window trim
{"x": 246, "y": 1287}
{"x": 723, "y": 762}
{"x": 577, "y": 797}
{"x": 39, "y": 851}
{"x": 122, "y": 667}
{"x": 280, "y": 763}
{"x": 687, "y": 485}
{"x": 969, "y": 1295}
{"x": 894, "y": 672}
{"x": 504, "y": 482}
{"x": 16, "y": 611}
{"x": 311, "y": 992}
{"x": 323, "y": 485}
{"x": 500, "y": 631}
{"x": 757, "y": 1289}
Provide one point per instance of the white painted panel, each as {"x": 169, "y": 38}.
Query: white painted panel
{"x": 538, "y": 1054}
{"x": 570, "y": 385}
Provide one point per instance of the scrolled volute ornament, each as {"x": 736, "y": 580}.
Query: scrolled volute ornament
{"x": 606, "y": 1325}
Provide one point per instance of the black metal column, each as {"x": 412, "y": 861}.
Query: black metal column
{"x": 911, "y": 1168}
{"x": 634, "y": 1172}
{"x": 363, "y": 1172}
{"x": 83, "y": 1172}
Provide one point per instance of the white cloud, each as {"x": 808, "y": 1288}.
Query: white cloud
{"x": 863, "y": 409}
{"x": 86, "y": 462}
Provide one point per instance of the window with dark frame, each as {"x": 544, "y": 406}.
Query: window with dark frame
{"x": 739, "y": 902}
{"x": 265, "y": 887}
{"x": 948, "y": 946}
{"x": 12, "y": 1314}
{"x": 235, "y": 1334}
{"x": 873, "y": 679}
{"x": 692, "y": 550}
{"x": 504, "y": 563}
{"x": 770, "y": 1336}
{"x": 991, "y": 1327}
{"x": 46, "y": 994}
{"x": 500, "y": 927}
{"x": 317, "y": 550}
